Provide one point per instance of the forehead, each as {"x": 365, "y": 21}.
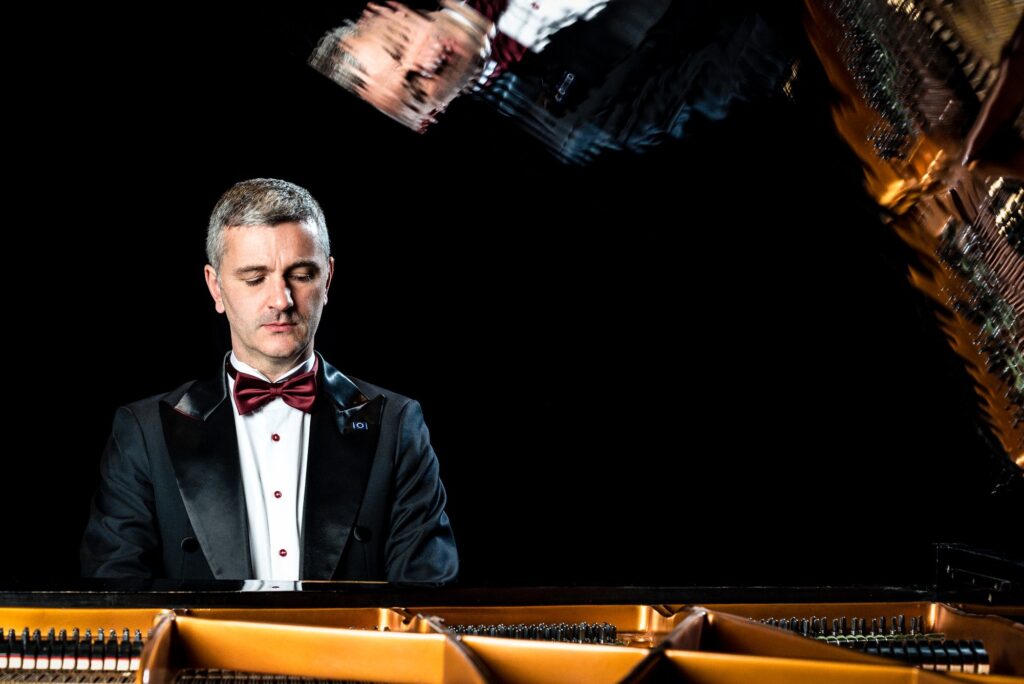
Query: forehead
{"x": 264, "y": 243}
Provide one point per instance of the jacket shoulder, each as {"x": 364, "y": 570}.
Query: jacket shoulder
{"x": 372, "y": 391}
{"x": 150, "y": 406}
{"x": 395, "y": 404}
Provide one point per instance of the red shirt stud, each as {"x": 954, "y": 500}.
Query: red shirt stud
{"x": 282, "y": 553}
{"x": 276, "y": 437}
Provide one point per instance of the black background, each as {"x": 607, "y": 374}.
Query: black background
{"x": 700, "y": 365}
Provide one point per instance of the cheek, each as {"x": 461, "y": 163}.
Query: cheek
{"x": 235, "y": 309}
{"x": 311, "y": 303}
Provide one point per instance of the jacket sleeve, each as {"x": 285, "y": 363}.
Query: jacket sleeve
{"x": 421, "y": 545}
{"x": 121, "y": 538}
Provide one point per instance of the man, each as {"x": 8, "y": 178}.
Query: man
{"x": 614, "y": 74}
{"x": 279, "y": 467}
{"x": 410, "y": 65}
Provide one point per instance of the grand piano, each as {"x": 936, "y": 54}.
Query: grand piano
{"x": 930, "y": 100}
{"x": 967, "y": 625}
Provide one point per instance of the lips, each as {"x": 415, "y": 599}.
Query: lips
{"x": 278, "y": 327}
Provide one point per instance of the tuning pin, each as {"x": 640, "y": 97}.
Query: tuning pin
{"x": 39, "y": 650}
{"x": 13, "y": 650}
{"x": 110, "y": 651}
{"x": 29, "y": 649}
{"x": 124, "y": 651}
{"x": 52, "y": 649}
{"x": 73, "y": 652}
{"x": 96, "y": 651}
{"x": 136, "y": 650}
{"x": 67, "y": 651}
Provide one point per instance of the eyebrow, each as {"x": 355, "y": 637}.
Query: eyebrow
{"x": 305, "y": 263}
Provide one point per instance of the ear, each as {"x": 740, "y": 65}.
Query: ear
{"x": 214, "y": 287}
{"x": 330, "y": 276}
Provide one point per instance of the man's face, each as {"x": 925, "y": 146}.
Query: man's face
{"x": 272, "y": 286}
{"x": 411, "y": 65}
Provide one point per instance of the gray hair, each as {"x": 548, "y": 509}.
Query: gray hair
{"x": 332, "y": 60}
{"x": 263, "y": 202}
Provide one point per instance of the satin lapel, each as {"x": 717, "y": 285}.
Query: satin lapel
{"x": 342, "y": 443}
{"x": 200, "y": 434}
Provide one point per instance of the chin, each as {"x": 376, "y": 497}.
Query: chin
{"x": 283, "y": 343}
{"x": 284, "y": 353}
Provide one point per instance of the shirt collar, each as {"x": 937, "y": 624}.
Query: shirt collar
{"x": 243, "y": 367}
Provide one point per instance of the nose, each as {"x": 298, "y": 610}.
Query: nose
{"x": 280, "y": 295}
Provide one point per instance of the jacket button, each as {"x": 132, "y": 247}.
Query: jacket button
{"x": 189, "y": 545}
{"x": 362, "y": 534}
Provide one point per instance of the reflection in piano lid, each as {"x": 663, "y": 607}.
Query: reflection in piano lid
{"x": 933, "y": 106}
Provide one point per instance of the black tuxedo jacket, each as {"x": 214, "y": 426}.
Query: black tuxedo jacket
{"x": 171, "y": 501}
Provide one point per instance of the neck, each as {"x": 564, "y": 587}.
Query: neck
{"x": 274, "y": 368}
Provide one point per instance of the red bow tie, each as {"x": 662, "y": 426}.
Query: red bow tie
{"x": 251, "y": 393}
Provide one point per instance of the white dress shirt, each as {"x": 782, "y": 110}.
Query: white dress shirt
{"x": 532, "y": 22}
{"x": 273, "y": 444}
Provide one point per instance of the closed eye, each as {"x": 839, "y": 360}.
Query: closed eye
{"x": 302, "y": 271}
